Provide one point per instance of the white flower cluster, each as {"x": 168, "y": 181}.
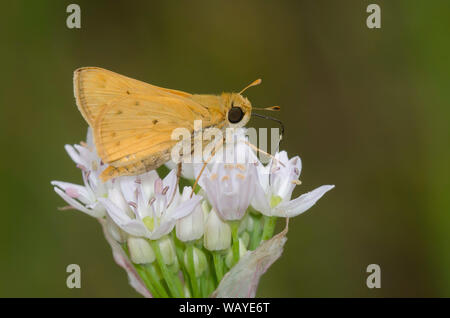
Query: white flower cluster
{"x": 180, "y": 243}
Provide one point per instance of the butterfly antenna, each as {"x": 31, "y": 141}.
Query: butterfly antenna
{"x": 271, "y": 108}
{"x": 254, "y": 83}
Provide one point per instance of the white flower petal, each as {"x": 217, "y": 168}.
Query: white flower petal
{"x": 260, "y": 201}
{"x": 75, "y": 191}
{"x": 75, "y": 156}
{"x": 77, "y": 205}
{"x": 186, "y": 207}
{"x": 162, "y": 229}
{"x": 131, "y": 226}
{"x": 302, "y": 203}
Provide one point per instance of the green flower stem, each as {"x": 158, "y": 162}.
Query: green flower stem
{"x": 256, "y": 234}
{"x": 204, "y": 285}
{"x": 209, "y": 276}
{"x": 180, "y": 255}
{"x": 211, "y": 286}
{"x": 218, "y": 266}
{"x": 168, "y": 276}
{"x": 183, "y": 267}
{"x": 153, "y": 276}
{"x": 191, "y": 271}
{"x": 140, "y": 269}
{"x": 234, "y": 234}
{"x": 269, "y": 227}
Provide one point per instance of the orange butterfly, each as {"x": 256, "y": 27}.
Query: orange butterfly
{"x": 132, "y": 121}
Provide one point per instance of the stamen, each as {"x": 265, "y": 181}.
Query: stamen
{"x": 241, "y": 167}
{"x": 134, "y": 205}
{"x": 164, "y": 191}
{"x": 297, "y": 182}
{"x": 296, "y": 170}
{"x": 151, "y": 201}
{"x": 240, "y": 176}
{"x": 228, "y": 166}
{"x": 224, "y": 178}
{"x": 213, "y": 176}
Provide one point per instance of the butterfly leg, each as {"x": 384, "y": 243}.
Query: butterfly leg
{"x": 213, "y": 152}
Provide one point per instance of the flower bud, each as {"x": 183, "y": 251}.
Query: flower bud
{"x": 245, "y": 237}
{"x": 243, "y": 223}
{"x": 140, "y": 250}
{"x": 175, "y": 267}
{"x": 116, "y": 232}
{"x": 217, "y": 233}
{"x": 167, "y": 250}
{"x": 200, "y": 262}
{"x": 191, "y": 227}
{"x": 250, "y": 223}
{"x": 229, "y": 257}
{"x": 205, "y": 208}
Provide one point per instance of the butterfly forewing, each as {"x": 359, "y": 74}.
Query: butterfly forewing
{"x": 132, "y": 120}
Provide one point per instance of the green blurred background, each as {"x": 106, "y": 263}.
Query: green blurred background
{"x": 366, "y": 109}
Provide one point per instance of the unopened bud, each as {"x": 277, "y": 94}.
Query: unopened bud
{"x": 140, "y": 250}
{"x": 191, "y": 227}
{"x": 205, "y": 208}
{"x": 116, "y": 232}
{"x": 200, "y": 262}
{"x": 229, "y": 257}
{"x": 167, "y": 250}
{"x": 245, "y": 237}
{"x": 217, "y": 233}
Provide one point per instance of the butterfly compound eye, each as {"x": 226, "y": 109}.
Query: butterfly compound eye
{"x": 235, "y": 115}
